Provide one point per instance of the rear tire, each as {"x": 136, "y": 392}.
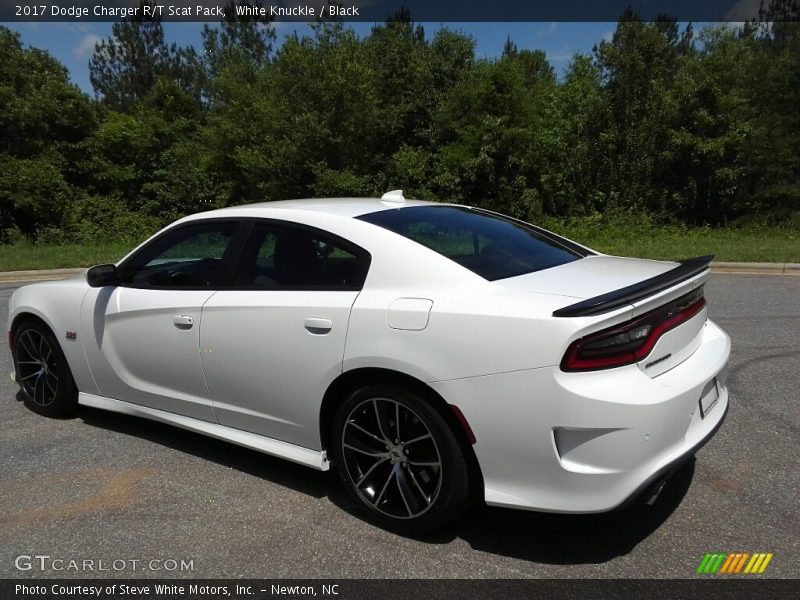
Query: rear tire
{"x": 42, "y": 371}
{"x": 399, "y": 460}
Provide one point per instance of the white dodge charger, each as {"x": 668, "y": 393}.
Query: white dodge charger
{"x": 434, "y": 354}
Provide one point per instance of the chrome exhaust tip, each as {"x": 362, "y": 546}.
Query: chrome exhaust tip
{"x": 655, "y": 493}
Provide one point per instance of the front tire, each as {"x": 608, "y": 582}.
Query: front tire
{"x": 399, "y": 460}
{"x": 42, "y": 371}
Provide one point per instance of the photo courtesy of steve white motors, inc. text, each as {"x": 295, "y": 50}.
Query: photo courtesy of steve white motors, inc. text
{"x": 101, "y": 590}
{"x": 208, "y": 10}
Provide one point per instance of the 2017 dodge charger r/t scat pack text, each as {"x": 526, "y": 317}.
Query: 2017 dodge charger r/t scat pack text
{"x": 426, "y": 351}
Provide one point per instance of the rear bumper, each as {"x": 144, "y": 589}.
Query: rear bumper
{"x": 589, "y": 442}
{"x": 652, "y": 483}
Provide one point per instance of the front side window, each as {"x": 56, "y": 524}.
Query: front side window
{"x": 189, "y": 257}
{"x": 489, "y": 245}
{"x": 279, "y": 256}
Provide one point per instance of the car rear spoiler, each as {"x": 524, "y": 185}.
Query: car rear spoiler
{"x": 607, "y": 302}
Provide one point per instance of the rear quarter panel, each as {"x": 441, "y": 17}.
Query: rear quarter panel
{"x": 475, "y": 327}
{"x": 469, "y": 334}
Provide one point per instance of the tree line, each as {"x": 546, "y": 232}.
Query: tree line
{"x": 698, "y": 127}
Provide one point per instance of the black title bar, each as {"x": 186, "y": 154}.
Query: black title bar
{"x": 379, "y": 10}
{"x": 750, "y": 587}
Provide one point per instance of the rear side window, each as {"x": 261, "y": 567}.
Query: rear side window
{"x": 489, "y": 245}
{"x": 279, "y": 256}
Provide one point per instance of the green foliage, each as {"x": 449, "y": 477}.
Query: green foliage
{"x": 639, "y": 67}
{"x": 33, "y": 192}
{"x": 490, "y": 137}
{"x": 44, "y": 121}
{"x": 125, "y": 67}
{"x": 658, "y": 126}
{"x": 243, "y": 41}
{"x": 104, "y": 220}
{"x": 578, "y": 139}
{"x": 772, "y": 155}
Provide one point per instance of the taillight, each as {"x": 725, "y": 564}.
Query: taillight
{"x": 630, "y": 342}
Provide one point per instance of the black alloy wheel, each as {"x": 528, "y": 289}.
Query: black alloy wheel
{"x": 401, "y": 461}
{"x": 42, "y": 371}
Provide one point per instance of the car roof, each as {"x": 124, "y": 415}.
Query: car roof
{"x": 343, "y": 207}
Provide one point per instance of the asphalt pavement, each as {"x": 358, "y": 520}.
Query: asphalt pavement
{"x": 123, "y": 492}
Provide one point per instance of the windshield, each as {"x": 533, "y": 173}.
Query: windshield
{"x": 487, "y": 244}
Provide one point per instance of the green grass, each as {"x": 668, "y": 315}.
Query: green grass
{"x": 625, "y": 237}
{"x": 23, "y": 257}
{"x": 726, "y": 245}
{"x": 639, "y": 236}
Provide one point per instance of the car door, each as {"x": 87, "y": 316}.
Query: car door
{"x": 271, "y": 346}
{"x": 142, "y": 336}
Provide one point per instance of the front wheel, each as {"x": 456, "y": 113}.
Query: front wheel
{"x": 42, "y": 371}
{"x": 400, "y": 460}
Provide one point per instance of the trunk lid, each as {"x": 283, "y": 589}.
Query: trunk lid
{"x": 606, "y": 276}
{"x": 588, "y": 277}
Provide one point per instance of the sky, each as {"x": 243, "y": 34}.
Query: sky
{"x": 73, "y": 43}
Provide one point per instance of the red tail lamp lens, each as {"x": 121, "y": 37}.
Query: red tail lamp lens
{"x": 632, "y": 341}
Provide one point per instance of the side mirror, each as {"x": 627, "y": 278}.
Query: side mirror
{"x": 102, "y": 275}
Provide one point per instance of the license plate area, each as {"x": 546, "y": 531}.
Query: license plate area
{"x": 709, "y": 398}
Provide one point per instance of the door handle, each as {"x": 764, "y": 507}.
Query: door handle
{"x": 318, "y": 326}
{"x": 183, "y": 321}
